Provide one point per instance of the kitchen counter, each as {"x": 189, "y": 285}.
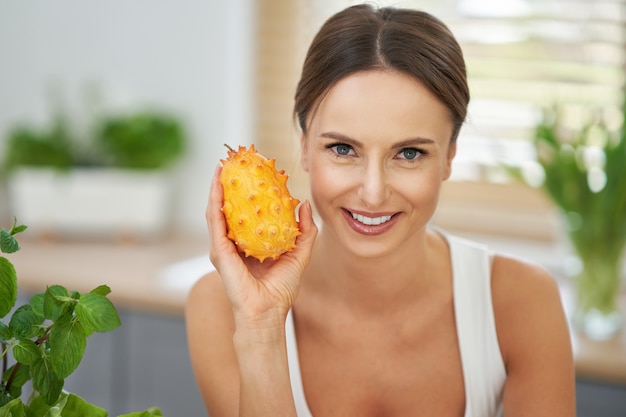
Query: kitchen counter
{"x": 137, "y": 273}
{"x": 156, "y": 276}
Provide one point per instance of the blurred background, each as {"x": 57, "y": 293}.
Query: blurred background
{"x": 227, "y": 72}
{"x": 85, "y": 77}
{"x": 193, "y": 59}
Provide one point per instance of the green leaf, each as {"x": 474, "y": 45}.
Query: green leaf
{"x": 26, "y": 352}
{"x": 60, "y": 293}
{"x": 78, "y": 407}
{"x": 37, "y": 407}
{"x": 54, "y": 411}
{"x": 6, "y": 333}
{"x": 56, "y": 302}
{"x": 68, "y": 405}
{"x": 8, "y": 243}
{"x": 103, "y": 290}
{"x": 67, "y": 344}
{"x": 4, "y": 398}
{"x": 25, "y": 322}
{"x": 46, "y": 381}
{"x": 96, "y": 312}
{"x": 21, "y": 377}
{"x": 17, "y": 229}
{"x": 8, "y": 286}
{"x": 14, "y": 408}
{"x": 151, "y": 412}
{"x": 36, "y": 302}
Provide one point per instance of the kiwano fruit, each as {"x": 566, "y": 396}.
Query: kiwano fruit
{"x": 259, "y": 211}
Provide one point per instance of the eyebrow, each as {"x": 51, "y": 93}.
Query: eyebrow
{"x": 351, "y": 141}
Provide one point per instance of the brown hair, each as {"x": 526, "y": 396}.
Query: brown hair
{"x": 362, "y": 38}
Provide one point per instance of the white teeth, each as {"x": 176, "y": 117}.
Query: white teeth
{"x": 370, "y": 220}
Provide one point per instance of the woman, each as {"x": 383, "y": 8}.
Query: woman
{"x": 378, "y": 315}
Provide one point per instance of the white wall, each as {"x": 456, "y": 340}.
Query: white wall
{"x": 193, "y": 57}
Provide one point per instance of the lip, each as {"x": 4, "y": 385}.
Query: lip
{"x": 369, "y": 230}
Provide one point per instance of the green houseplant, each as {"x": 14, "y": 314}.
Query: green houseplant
{"x": 142, "y": 140}
{"x": 47, "y": 338}
{"x": 28, "y": 146}
{"x": 585, "y": 177}
{"x": 114, "y": 178}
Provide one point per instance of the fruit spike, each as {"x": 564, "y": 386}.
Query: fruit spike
{"x": 259, "y": 211}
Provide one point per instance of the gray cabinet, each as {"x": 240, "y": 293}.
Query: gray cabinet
{"x": 599, "y": 399}
{"x": 141, "y": 364}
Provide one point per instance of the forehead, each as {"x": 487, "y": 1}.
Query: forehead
{"x": 385, "y": 103}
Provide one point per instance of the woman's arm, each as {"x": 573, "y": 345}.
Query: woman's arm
{"x": 265, "y": 387}
{"x": 534, "y": 339}
{"x": 240, "y": 371}
{"x": 210, "y": 329}
{"x": 236, "y": 321}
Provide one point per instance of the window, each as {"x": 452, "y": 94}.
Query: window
{"x": 521, "y": 55}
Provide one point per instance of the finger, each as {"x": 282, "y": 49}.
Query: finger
{"x": 215, "y": 219}
{"x": 305, "y": 216}
{"x": 223, "y": 252}
{"x": 308, "y": 229}
{"x": 214, "y": 216}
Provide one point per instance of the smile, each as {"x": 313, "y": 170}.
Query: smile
{"x": 369, "y": 221}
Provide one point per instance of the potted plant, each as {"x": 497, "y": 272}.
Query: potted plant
{"x": 584, "y": 174}
{"x": 115, "y": 180}
{"x": 45, "y": 147}
{"x": 47, "y": 338}
{"x": 142, "y": 140}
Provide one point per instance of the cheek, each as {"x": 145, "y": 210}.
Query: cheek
{"x": 331, "y": 186}
{"x": 323, "y": 189}
{"x": 325, "y": 180}
{"x": 419, "y": 188}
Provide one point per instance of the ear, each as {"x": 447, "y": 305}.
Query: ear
{"x": 449, "y": 158}
{"x": 304, "y": 158}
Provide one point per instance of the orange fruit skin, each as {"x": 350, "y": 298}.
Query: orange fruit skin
{"x": 258, "y": 208}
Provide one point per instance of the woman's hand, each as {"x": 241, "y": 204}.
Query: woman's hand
{"x": 258, "y": 291}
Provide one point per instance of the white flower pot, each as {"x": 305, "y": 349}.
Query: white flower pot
{"x": 93, "y": 202}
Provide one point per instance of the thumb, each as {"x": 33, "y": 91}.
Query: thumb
{"x": 308, "y": 230}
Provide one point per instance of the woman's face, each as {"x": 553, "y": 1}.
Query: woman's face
{"x": 377, "y": 150}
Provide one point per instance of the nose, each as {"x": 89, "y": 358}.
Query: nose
{"x": 374, "y": 188}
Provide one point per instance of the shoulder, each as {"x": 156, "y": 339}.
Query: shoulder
{"x": 526, "y": 301}
{"x": 534, "y": 339}
{"x": 207, "y": 300}
{"x": 516, "y": 280}
{"x": 208, "y": 315}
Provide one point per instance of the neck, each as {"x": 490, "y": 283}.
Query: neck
{"x": 372, "y": 285}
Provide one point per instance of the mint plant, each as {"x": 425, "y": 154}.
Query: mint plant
{"x": 47, "y": 338}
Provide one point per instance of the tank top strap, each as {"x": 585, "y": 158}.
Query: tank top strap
{"x": 484, "y": 373}
{"x": 302, "y": 408}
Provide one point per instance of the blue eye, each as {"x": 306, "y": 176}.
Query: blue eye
{"x": 342, "y": 149}
{"x": 409, "y": 153}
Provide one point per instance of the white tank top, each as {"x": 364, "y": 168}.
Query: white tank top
{"x": 483, "y": 368}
